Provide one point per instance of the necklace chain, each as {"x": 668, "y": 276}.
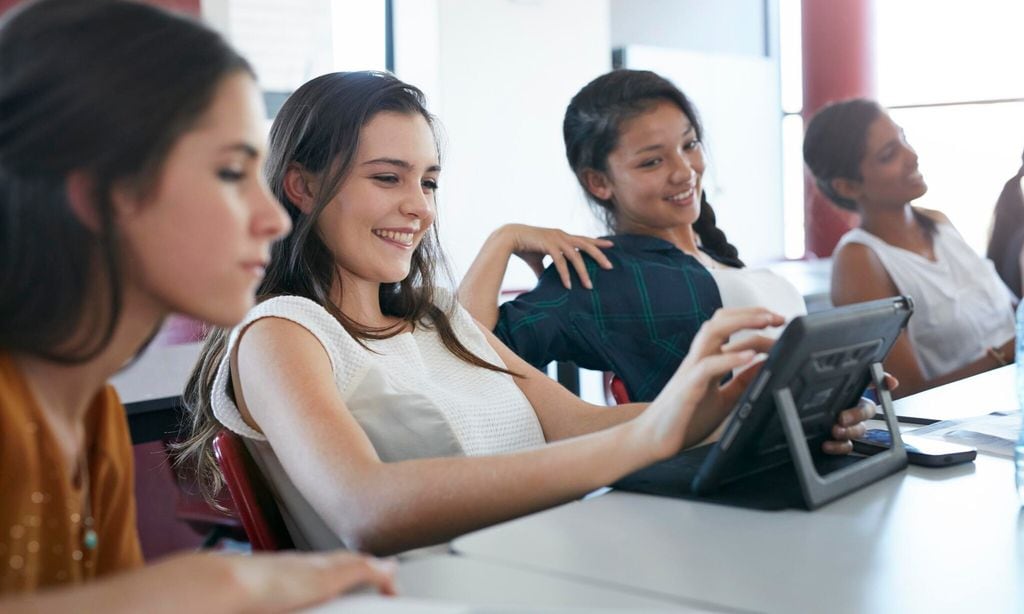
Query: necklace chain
{"x": 90, "y": 539}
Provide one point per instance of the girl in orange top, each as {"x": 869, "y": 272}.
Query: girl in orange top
{"x": 130, "y": 187}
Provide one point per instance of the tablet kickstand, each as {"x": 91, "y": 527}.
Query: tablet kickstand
{"x": 818, "y": 489}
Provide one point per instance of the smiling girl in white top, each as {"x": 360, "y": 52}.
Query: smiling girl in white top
{"x": 385, "y": 416}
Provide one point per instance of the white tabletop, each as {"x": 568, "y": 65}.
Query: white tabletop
{"x": 159, "y": 373}
{"x": 453, "y": 584}
{"x": 928, "y": 540}
{"x": 924, "y": 540}
{"x": 981, "y": 394}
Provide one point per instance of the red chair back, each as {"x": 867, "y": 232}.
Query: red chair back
{"x": 617, "y": 390}
{"x": 255, "y": 505}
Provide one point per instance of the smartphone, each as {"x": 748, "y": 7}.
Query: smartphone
{"x": 920, "y": 451}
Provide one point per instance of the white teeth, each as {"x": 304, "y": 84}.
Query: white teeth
{"x": 405, "y": 238}
{"x": 681, "y": 195}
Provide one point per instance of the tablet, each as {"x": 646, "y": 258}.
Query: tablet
{"x": 820, "y": 366}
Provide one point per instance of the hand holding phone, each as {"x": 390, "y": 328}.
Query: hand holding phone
{"x": 920, "y": 451}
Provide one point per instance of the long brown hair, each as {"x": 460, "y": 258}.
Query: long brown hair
{"x": 106, "y": 88}
{"x": 318, "y": 128}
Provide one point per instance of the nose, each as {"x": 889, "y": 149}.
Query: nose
{"x": 419, "y": 204}
{"x": 912, "y": 154}
{"x": 269, "y": 219}
{"x": 682, "y": 169}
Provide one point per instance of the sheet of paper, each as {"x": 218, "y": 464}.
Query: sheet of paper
{"x": 994, "y": 433}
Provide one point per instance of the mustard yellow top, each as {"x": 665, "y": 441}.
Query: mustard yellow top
{"x": 42, "y": 507}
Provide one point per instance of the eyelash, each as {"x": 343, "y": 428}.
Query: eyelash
{"x": 430, "y": 184}
{"x": 231, "y": 176}
{"x": 690, "y": 146}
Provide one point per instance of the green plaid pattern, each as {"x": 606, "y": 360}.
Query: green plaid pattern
{"x": 638, "y": 322}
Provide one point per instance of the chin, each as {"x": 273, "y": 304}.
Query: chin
{"x": 222, "y": 314}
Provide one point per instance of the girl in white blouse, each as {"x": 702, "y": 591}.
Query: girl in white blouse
{"x": 963, "y": 318}
{"x": 385, "y": 416}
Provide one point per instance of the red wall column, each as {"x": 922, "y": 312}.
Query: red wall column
{"x": 838, "y": 63}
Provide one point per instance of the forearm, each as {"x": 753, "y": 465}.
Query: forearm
{"x": 985, "y": 363}
{"x": 399, "y": 506}
{"x": 212, "y": 586}
{"x": 582, "y": 418}
{"x": 481, "y": 285}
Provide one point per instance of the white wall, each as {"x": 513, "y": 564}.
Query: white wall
{"x": 712, "y": 26}
{"x": 499, "y": 74}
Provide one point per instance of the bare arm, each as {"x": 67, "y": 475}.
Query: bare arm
{"x": 479, "y": 289}
{"x": 216, "y": 583}
{"x": 858, "y": 275}
{"x": 389, "y": 507}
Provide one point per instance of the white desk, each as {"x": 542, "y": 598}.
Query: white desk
{"x": 452, "y": 584}
{"x": 812, "y": 278}
{"x": 927, "y": 540}
{"x": 151, "y": 389}
{"x": 981, "y": 394}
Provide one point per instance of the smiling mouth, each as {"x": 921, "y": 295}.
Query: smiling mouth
{"x": 682, "y": 196}
{"x": 257, "y": 269}
{"x": 401, "y": 238}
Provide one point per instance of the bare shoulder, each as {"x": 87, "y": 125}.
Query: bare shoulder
{"x": 859, "y": 275}
{"x": 273, "y": 339}
{"x": 936, "y": 216}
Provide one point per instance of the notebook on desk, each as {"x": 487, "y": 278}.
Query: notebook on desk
{"x": 768, "y": 456}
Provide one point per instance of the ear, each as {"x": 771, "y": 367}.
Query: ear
{"x": 298, "y": 187}
{"x": 597, "y": 183}
{"x": 847, "y": 188}
{"x": 81, "y": 193}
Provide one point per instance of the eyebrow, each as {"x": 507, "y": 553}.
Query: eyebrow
{"x": 402, "y": 164}
{"x": 659, "y": 145}
{"x": 245, "y": 148}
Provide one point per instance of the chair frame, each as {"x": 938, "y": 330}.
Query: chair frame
{"x": 253, "y": 501}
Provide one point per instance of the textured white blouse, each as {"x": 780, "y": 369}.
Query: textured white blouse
{"x": 961, "y": 307}
{"x": 413, "y": 397}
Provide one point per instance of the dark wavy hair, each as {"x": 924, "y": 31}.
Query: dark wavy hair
{"x": 1007, "y": 233}
{"x": 835, "y": 143}
{"x": 106, "y": 88}
{"x": 591, "y": 131}
{"x": 319, "y": 128}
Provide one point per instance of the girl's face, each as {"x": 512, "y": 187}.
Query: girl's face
{"x": 386, "y": 203}
{"x": 654, "y": 174}
{"x": 198, "y": 241}
{"x": 889, "y": 173}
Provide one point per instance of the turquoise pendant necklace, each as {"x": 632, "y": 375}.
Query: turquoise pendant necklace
{"x": 90, "y": 539}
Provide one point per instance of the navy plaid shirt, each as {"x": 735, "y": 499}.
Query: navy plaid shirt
{"x": 638, "y": 322}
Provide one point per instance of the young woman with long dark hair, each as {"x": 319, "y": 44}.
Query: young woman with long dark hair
{"x": 130, "y": 188}
{"x": 632, "y": 302}
{"x": 384, "y": 416}
{"x": 963, "y": 318}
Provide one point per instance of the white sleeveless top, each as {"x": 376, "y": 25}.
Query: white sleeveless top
{"x": 961, "y": 307}
{"x": 759, "y": 288}
{"x": 413, "y": 397}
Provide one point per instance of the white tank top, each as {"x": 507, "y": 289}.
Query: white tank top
{"x": 961, "y": 307}
{"x": 412, "y": 397}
